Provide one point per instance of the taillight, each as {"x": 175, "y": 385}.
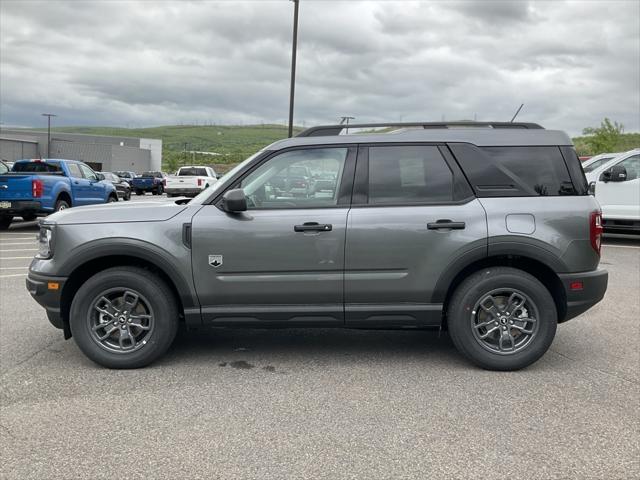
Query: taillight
{"x": 164, "y": 182}
{"x": 595, "y": 230}
{"x": 36, "y": 188}
{"x": 199, "y": 182}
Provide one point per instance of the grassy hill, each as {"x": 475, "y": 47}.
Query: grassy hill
{"x": 235, "y": 143}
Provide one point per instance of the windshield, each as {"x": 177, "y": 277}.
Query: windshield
{"x": 3, "y": 168}
{"x": 221, "y": 183}
{"x": 595, "y": 164}
{"x": 37, "y": 167}
{"x": 192, "y": 172}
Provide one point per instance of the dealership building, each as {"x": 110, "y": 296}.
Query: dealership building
{"x": 102, "y": 153}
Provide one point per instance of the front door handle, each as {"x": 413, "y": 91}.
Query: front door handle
{"x": 313, "y": 227}
{"x": 445, "y": 224}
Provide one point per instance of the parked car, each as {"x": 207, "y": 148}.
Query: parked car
{"x": 190, "y": 181}
{"x": 616, "y": 186}
{"x": 127, "y": 176}
{"x": 36, "y": 187}
{"x": 489, "y": 233}
{"x": 149, "y": 182}
{"x": 122, "y": 186}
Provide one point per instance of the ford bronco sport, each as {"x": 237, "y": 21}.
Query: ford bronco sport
{"x": 483, "y": 229}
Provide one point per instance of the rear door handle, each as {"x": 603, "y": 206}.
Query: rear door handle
{"x": 446, "y": 224}
{"x": 313, "y": 227}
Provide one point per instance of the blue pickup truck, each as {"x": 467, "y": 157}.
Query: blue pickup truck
{"x": 36, "y": 187}
{"x": 149, "y": 182}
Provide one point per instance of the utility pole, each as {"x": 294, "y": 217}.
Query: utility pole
{"x": 48, "y": 115}
{"x": 184, "y": 159}
{"x": 294, "y": 52}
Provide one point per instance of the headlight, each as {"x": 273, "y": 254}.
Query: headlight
{"x": 45, "y": 242}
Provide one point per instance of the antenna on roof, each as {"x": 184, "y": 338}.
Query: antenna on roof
{"x": 517, "y": 112}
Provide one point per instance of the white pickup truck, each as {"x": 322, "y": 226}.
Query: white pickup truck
{"x": 189, "y": 181}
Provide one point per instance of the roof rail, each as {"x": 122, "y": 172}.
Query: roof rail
{"x": 328, "y": 130}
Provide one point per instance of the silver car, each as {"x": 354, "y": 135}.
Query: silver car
{"x": 486, "y": 231}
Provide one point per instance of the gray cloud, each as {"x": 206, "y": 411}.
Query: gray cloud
{"x": 151, "y": 63}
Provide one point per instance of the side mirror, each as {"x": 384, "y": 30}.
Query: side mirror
{"x": 234, "y": 201}
{"x": 591, "y": 189}
{"x": 100, "y": 176}
{"x": 617, "y": 173}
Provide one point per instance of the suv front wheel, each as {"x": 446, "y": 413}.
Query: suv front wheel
{"x": 124, "y": 317}
{"x": 502, "y": 318}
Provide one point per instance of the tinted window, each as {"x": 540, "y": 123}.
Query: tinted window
{"x": 193, "y": 172}
{"x": 152, "y": 174}
{"x": 278, "y": 183}
{"x": 537, "y": 170}
{"x": 408, "y": 174}
{"x": 37, "y": 167}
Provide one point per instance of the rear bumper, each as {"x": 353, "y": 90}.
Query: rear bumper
{"x": 182, "y": 191}
{"x": 47, "y": 291}
{"x": 20, "y": 206}
{"x": 579, "y": 300}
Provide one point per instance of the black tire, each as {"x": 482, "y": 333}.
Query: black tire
{"x": 127, "y": 195}
{"x": 160, "y": 190}
{"x": 478, "y": 286}
{"x": 112, "y": 199}
{"x": 61, "y": 205}
{"x": 5, "y": 222}
{"x": 152, "y": 289}
{"x": 29, "y": 218}
{"x": 139, "y": 192}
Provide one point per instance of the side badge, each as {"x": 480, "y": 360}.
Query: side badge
{"x": 215, "y": 260}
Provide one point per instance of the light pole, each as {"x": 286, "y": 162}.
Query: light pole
{"x": 296, "y": 4}
{"x": 48, "y": 115}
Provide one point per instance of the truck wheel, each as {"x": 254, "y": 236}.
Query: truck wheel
{"x": 30, "y": 217}
{"x": 124, "y": 317}
{"x": 502, "y": 318}
{"x": 160, "y": 189}
{"x": 5, "y": 221}
{"x": 112, "y": 199}
{"x": 139, "y": 192}
{"x": 127, "y": 196}
{"x": 61, "y": 205}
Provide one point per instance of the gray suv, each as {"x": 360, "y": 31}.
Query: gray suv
{"x": 483, "y": 229}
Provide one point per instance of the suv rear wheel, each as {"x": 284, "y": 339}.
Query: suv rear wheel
{"x": 502, "y": 318}
{"x": 124, "y": 317}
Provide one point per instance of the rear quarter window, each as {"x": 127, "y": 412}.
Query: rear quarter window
{"x": 37, "y": 167}
{"x": 516, "y": 171}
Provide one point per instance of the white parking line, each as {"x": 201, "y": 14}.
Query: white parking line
{"x": 16, "y": 243}
{"x": 16, "y": 258}
{"x": 19, "y": 250}
{"x": 620, "y": 246}
{"x": 14, "y": 275}
{"x": 14, "y": 268}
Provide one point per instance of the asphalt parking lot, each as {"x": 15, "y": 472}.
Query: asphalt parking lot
{"x": 320, "y": 403}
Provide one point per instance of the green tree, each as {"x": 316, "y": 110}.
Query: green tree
{"x": 171, "y": 161}
{"x": 604, "y": 138}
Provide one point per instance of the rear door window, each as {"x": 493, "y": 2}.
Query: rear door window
{"x": 408, "y": 175}
{"x": 74, "y": 170}
{"x": 37, "y": 167}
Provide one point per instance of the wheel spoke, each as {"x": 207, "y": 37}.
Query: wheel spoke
{"x": 130, "y": 299}
{"x": 522, "y": 329}
{"x": 125, "y": 334}
{"x": 492, "y": 310}
{"x": 107, "y": 303}
{"x": 515, "y": 302}
{"x": 107, "y": 333}
{"x": 488, "y": 332}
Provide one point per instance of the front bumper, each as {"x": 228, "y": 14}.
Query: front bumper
{"x": 47, "y": 291}
{"x": 579, "y": 300}
{"x": 20, "y": 206}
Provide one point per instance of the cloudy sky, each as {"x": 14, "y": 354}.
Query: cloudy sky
{"x": 146, "y": 63}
